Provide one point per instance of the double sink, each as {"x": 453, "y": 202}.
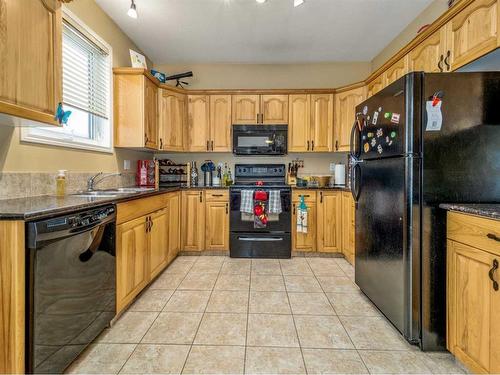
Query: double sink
{"x": 112, "y": 193}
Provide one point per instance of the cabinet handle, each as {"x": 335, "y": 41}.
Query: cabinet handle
{"x": 312, "y": 145}
{"x": 440, "y": 66}
{"x": 212, "y": 145}
{"x": 492, "y": 272}
{"x": 320, "y": 197}
{"x": 294, "y": 208}
{"x": 307, "y": 145}
{"x": 258, "y": 117}
{"x": 336, "y": 145}
{"x": 217, "y": 195}
{"x": 145, "y": 139}
{"x": 493, "y": 237}
{"x": 161, "y": 144}
{"x": 150, "y": 223}
{"x": 447, "y": 60}
{"x": 147, "y": 224}
{"x": 208, "y": 145}
{"x": 201, "y": 197}
{"x": 227, "y": 208}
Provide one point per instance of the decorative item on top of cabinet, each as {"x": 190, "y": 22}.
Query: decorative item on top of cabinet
{"x": 172, "y": 120}
{"x": 217, "y": 220}
{"x": 321, "y": 122}
{"x": 135, "y": 109}
{"x": 31, "y": 59}
{"x": 329, "y": 221}
{"x": 375, "y": 86}
{"x": 193, "y": 220}
{"x": 429, "y": 56}
{"x": 304, "y": 241}
{"x": 344, "y": 111}
{"x": 396, "y": 71}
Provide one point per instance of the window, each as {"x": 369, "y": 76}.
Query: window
{"x": 86, "y": 86}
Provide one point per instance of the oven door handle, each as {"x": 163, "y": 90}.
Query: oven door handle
{"x": 260, "y": 239}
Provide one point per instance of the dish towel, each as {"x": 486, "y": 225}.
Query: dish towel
{"x": 274, "y": 202}
{"x": 246, "y": 205}
{"x": 302, "y": 217}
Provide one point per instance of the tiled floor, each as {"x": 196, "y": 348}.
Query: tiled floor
{"x": 218, "y": 315}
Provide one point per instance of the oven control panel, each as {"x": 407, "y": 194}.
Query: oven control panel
{"x": 259, "y": 171}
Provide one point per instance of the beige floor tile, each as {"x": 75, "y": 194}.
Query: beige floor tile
{"x": 261, "y": 360}
{"x": 396, "y": 362}
{"x": 269, "y": 302}
{"x": 350, "y": 274}
{"x": 373, "y": 333}
{"x": 310, "y": 304}
{"x": 188, "y": 301}
{"x": 444, "y": 363}
{"x": 302, "y": 284}
{"x": 236, "y": 267}
{"x": 156, "y": 359}
{"x": 295, "y": 266}
{"x": 228, "y": 301}
{"x": 215, "y": 360}
{"x": 333, "y": 361}
{"x": 198, "y": 281}
{"x": 152, "y": 300}
{"x": 179, "y": 268}
{"x": 340, "y": 284}
{"x": 352, "y": 304}
{"x": 168, "y": 281}
{"x": 271, "y": 330}
{"x": 173, "y": 328}
{"x": 266, "y": 267}
{"x": 322, "y": 332}
{"x": 233, "y": 282}
{"x": 211, "y": 260}
{"x": 222, "y": 329}
{"x": 344, "y": 264}
{"x": 129, "y": 329}
{"x": 325, "y": 267}
{"x": 267, "y": 283}
{"x": 102, "y": 359}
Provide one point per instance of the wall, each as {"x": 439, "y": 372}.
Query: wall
{"x": 260, "y": 76}
{"x": 428, "y": 15}
{"x": 25, "y": 157}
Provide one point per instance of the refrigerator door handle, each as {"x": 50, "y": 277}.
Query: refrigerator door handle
{"x": 355, "y": 173}
{"x": 355, "y": 147}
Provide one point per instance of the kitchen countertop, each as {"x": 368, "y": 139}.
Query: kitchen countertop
{"x": 488, "y": 210}
{"x": 338, "y": 187}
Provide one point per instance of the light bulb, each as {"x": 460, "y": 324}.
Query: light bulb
{"x": 132, "y": 12}
{"x": 261, "y": 1}
{"x": 296, "y": 3}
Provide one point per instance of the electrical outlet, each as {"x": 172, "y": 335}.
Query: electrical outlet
{"x": 332, "y": 167}
{"x": 126, "y": 165}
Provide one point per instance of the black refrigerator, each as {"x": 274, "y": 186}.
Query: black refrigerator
{"x": 426, "y": 139}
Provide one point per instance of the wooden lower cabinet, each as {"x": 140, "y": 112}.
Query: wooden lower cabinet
{"x": 193, "y": 220}
{"x": 304, "y": 241}
{"x": 174, "y": 225}
{"x": 473, "y": 304}
{"x": 330, "y": 221}
{"x": 158, "y": 245}
{"x": 217, "y": 225}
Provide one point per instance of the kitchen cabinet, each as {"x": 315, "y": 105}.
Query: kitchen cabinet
{"x": 304, "y": 241}
{"x": 220, "y": 123}
{"x": 135, "y": 109}
{"x": 260, "y": 109}
{"x": 174, "y": 227}
{"x": 199, "y": 123}
{"x": 31, "y": 59}
{"x": 158, "y": 246}
{"x": 329, "y": 221}
{"x": 375, "y": 86}
{"x": 348, "y": 227}
{"x": 172, "y": 120}
{"x": 345, "y": 111}
{"x": 321, "y": 122}
{"x": 473, "y": 32}
{"x": 473, "y": 302}
{"x": 396, "y": 71}
{"x": 193, "y": 220}
{"x": 429, "y": 55}
{"x": 246, "y": 109}
{"x": 217, "y": 220}
{"x": 274, "y": 109}
{"x": 299, "y": 126}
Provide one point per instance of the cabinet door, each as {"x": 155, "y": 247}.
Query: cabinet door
{"x": 375, "y": 86}
{"x": 245, "y": 109}
{"x": 132, "y": 268}
{"x": 172, "y": 107}
{"x": 220, "y": 123}
{"x": 199, "y": 123}
{"x": 150, "y": 114}
{"x": 217, "y": 222}
{"x": 474, "y": 32}
{"x": 299, "y": 128}
{"x": 472, "y": 307}
{"x": 304, "y": 241}
{"x": 321, "y": 122}
{"x": 396, "y": 71}
{"x": 174, "y": 227}
{"x": 30, "y": 58}
{"x": 193, "y": 220}
{"x": 345, "y": 108}
{"x": 158, "y": 241}
{"x": 330, "y": 221}
{"x": 348, "y": 227}
{"x": 428, "y": 56}
{"x": 274, "y": 109}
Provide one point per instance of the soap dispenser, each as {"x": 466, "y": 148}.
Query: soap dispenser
{"x": 61, "y": 183}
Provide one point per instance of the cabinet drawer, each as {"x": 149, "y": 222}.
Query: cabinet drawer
{"x": 475, "y": 231}
{"x": 217, "y": 195}
{"x": 139, "y": 207}
{"x": 309, "y": 195}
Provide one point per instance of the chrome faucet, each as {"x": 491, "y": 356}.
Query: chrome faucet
{"x": 91, "y": 182}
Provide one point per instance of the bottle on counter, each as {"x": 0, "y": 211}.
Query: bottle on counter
{"x": 224, "y": 175}
{"x": 61, "y": 183}
{"x": 229, "y": 180}
{"x": 194, "y": 174}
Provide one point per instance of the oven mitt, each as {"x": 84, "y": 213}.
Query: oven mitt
{"x": 260, "y": 216}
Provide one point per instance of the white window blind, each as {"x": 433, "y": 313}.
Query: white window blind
{"x": 85, "y": 73}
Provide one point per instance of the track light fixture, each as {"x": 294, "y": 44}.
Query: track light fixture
{"x": 296, "y": 3}
{"x": 132, "y": 12}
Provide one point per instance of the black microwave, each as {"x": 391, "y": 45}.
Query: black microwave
{"x": 260, "y": 139}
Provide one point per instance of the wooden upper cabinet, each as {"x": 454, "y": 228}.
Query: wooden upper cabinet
{"x": 330, "y": 221}
{"x": 396, "y": 71}
{"x": 429, "y": 55}
{"x": 151, "y": 114}
{"x": 158, "y": 237}
{"x": 245, "y": 109}
{"x": 172, "y": 120}
{"x": 199, "y": 123}
{"x": 30, "y": 58}
{"x": 344, "y": 111}
{"x": 299, "y": 123}
{"x": 274, "y": 109}
{"x": 474, "y": 32}
{"x": 375, "y": 86}
{"x": 193, "y": 220}
{"x": 220, "y": 123}
{"x": 321, "y": 122}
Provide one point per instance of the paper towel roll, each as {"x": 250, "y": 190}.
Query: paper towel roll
{"x": 339, "y": 174}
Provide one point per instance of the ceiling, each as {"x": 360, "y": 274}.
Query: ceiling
{"x": 243, "y": 31}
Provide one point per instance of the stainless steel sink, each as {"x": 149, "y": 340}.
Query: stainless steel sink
{"x": 112, "y": 193}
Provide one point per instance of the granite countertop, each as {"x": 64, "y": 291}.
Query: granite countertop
{"x": 488, "y": 210}
{"x": 337, "y": 187}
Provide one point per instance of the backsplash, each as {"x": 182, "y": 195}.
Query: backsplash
{"x": 24, "y": 184}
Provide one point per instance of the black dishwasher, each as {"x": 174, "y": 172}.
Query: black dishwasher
{"x": 70, "y": 285}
